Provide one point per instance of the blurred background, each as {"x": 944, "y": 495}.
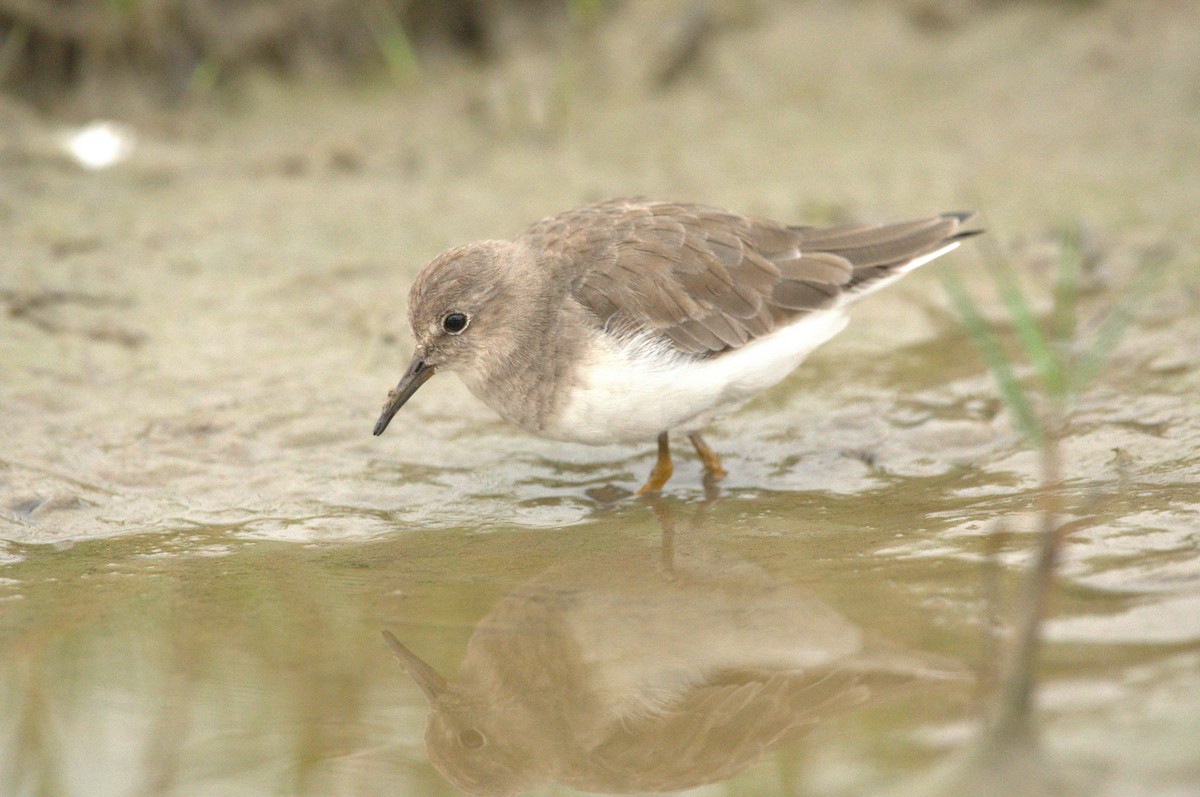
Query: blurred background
{"x": 210, "y": 214}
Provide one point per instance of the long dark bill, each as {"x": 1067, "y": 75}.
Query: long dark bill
{"x": 413, "y": 378}
{"x": 427, "y": 679}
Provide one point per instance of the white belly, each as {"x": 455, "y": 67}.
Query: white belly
{"x": 633, "y": 390}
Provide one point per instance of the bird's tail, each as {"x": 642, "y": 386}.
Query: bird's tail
{"x": 882, "y": 253}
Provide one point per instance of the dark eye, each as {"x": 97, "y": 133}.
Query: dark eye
{"x": 471, "y": 739}
{"x": 455, "y": 323}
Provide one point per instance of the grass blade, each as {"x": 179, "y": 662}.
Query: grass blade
{"x": 995, "y": 357}
{"x": 1066, "y": 286}
{"x": 392, "y": 42}
{"x": 1114, "y": 324}
{"x": 1043, "y": 358}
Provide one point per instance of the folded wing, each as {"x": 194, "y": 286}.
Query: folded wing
{"x": 707, "y": 281}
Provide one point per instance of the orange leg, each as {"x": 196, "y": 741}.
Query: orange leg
{"x": 662, "y": 468}
{"x": 712, "y": 462}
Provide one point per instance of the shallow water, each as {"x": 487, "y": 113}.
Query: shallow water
{"x": 201, "y": 542}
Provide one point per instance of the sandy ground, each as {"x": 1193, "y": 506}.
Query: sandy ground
{"x": 203, "y": 333}
{"x": 198, "y": 339}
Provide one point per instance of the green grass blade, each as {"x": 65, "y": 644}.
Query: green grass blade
{"x": 1092, "y": 359}
{"x": 1066, "y": 286}
{"x": 392, "y": 42}
{"x": 1043, "y": 358}
{"x": 995, "y": 357}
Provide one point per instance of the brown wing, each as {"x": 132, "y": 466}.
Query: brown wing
{"x": 708, "y": 280}
{"x": 719, "y": 728}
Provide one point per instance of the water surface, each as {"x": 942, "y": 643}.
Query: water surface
{"x": 201, "y": 543}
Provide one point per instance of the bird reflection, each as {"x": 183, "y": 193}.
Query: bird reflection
{"x": 636, "y": 672}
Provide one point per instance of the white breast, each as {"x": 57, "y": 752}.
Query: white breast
{"x": 632, "y": 389}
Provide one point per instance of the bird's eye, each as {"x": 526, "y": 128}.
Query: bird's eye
{"x": 455, "y": 323}
{"x": 471, "y": 739}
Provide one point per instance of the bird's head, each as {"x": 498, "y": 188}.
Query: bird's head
{"x": 466, "y": 313}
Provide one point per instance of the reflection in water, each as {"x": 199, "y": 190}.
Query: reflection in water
{"x": 639, "y": 672}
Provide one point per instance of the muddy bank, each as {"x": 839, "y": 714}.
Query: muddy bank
{"x": 195, "y": 342}
{"x": 196, "y": 335}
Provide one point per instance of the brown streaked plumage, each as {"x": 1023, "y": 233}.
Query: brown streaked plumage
{"x": 627, "y": 319}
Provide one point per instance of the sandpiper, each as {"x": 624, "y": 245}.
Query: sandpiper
{"x": 629, "y": 319}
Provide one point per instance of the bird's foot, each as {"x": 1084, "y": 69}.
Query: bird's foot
{"x": 712, "y": 462}
{"x": 662, "y": 468}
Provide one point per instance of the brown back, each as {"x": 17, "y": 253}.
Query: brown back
{"x": 708, "y": 280}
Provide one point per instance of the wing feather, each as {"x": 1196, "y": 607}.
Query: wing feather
{"x": 707, "y": 281}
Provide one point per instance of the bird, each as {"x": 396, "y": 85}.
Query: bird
{"x": 611, "y": 673}
{"x": 630, "y": 319}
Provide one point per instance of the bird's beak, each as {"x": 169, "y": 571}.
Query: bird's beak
{"x": 426, "y": 678}
{"x": 413, "y": 378}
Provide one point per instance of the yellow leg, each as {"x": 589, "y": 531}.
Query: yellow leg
{"x": 662, "y": 468}
{"x": 712, "y": 462}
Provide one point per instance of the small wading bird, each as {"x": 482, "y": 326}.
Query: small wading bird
{"x": 626, "y": 320}
{"x": 610, "y": 674}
